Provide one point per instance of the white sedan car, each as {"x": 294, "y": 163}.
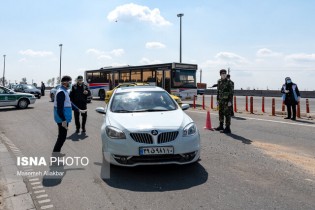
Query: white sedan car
{"x": 143, "y": 125}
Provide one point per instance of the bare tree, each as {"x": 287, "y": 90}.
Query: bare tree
{"x": 58, "y": 80}
{"x": 53, "y": 81}
{"x": 5, "y": 81}
{"x": 24, "y": 80}
{"x": 48, "y": 82}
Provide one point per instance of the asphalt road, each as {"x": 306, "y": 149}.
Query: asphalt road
{"x": 266, "y": 163}
{"x": 257, "y": 103}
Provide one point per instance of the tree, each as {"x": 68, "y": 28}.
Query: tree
{"x": 48, "y": 82}
{"x": 5, "y": 81}
{"x": 58, "y": 80}
{"x": 53, "y": 81}
{"x": 24, "y": 80}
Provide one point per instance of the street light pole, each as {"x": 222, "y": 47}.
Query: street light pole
{"x": 60, "y": 45}
{"x": 200, "y": 75}
{"x": 3, "y": 78}
{"x": 180, "y": 15}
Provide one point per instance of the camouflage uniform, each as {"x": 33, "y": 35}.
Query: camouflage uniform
{"x": 224, "y": 96}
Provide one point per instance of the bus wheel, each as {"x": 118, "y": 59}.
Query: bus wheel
{"x": 101, "y": 94}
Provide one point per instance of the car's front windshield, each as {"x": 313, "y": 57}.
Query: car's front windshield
{"x": 142, "y": 101}
{"x": 29, "y": 87}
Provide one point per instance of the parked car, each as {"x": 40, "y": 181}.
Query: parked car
{"x": 54, "y": 90}
{"x": 145, "y": 126}
{"x": 11, "y": 86}
{"x": 26, "y": 88}
{"x": 109, "y": 93}
{"x": 10, "y": 98}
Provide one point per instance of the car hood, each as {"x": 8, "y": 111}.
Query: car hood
{"x": 172, "y": 120}
{"x": 23, "y": 94}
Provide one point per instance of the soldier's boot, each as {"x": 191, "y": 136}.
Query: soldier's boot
{"x": 220, "y": 128}
{"x": 226, "y": 130}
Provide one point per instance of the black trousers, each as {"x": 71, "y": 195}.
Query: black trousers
{"x": 62, "y": 135}
{"x": 77, "y": 119}
{"x": 43, "y": 92}
{"x": 293, "y": 106}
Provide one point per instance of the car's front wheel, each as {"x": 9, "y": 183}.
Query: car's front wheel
{"x": 38, "y": 97}
{"x": 22, "y": 104}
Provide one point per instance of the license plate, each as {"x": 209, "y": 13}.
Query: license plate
{"x": 156, "y": 150}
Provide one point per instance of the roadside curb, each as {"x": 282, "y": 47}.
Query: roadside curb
{"x": 13, "y": 191}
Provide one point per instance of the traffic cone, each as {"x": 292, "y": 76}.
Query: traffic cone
{"x": 208, "y": 122}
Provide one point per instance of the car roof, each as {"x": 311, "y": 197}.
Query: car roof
{"x": 139, "y": 88}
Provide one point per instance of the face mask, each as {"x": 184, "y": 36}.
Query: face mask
{"x": 289, "y": 81}
{"x": 223, "y": 76}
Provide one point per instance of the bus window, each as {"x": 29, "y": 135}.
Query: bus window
{"x": 136, "y": 76}
{"x": 183, "y": 78}
{"x": 149, "y": 76}
{"x": 89, "y": 77}
{"x": 124, "y": 76}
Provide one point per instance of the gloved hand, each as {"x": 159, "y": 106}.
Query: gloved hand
{"x": 64, "y": 124}
{"x": 85, "y": 92}
{"x": 229, "y": 103}
{"x": 83, "y": 111}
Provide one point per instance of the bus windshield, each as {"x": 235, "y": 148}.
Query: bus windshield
{"x": 184, "y": 78}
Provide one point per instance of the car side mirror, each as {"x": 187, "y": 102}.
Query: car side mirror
{"x": 100, "y": 110}
{"x": 185, "y": 106}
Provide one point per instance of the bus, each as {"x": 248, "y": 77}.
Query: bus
{"x": 176, "y": 78}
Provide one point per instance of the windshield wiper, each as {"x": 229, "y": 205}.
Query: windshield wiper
{"x": 122, "y": 111}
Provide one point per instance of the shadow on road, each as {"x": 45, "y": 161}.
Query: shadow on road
{"x": 301, "y": 121}
{"x": 238, "y": 118}
{"x": 154, "y": 178}
{"x": 13, "y": 109}
{"x": 77, "y": 137}
{"x": 239, "y": 138}
{"x": 55, "y": 175}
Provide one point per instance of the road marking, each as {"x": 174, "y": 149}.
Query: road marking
{"x": 35, "y": 183}
{"x": 32, "y": 180}
{"x": 44, "y": 201}
{"x": 46, "y": 207}
{"x": 42, "y": 196}
{"x": 39, "y": 191}
{"x": 37, "y": 187}
{"x": 258, "y": 119}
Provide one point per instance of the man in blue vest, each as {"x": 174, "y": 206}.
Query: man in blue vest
{"x": 290, "y": 96}
{"x": 63, "y": 112}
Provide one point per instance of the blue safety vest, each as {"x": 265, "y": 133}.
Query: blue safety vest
{"x": 67, "y": 109}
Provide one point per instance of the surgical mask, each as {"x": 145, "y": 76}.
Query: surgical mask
{"x": 289, "y": 81}
{"x": 223, "y": 76}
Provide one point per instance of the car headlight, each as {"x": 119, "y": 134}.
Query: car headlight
{"x": 190, "y": 129}
{"x": 115, "y": 133}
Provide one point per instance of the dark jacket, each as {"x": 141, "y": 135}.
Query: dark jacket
{"x": 292, "y": 97}
{"x": 77, "y": 97}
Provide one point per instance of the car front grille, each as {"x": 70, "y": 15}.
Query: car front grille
{"x": 146, "y": 138}
{"x": 167, "y": 137}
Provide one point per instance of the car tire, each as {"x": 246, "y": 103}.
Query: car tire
{"x": 38, "y": 97}
{"x": 23, "y": 104}
{"x": 101, "y": 94}
{"x": 52, "y": 97}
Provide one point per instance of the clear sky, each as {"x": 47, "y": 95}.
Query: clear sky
{"x": 262, "y": 41}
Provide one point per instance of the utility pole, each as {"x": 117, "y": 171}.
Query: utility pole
{"x": 200, "y": 75}
{"x": 3, "y": 78}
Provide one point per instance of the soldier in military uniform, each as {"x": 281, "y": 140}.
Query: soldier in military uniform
{"x": 224, "y": 98}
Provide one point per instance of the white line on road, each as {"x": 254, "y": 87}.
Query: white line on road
{"x": 46, "y": 207}
{"x": 258, "y": 119}
{"x": 37, "y": 187}
{"x": 39, "y": 191}
{"x": 32, "y": 180}
{"x": 35, "y": 183}
{"x": 44, "y": 201}
{"x": 42, "y": 196}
